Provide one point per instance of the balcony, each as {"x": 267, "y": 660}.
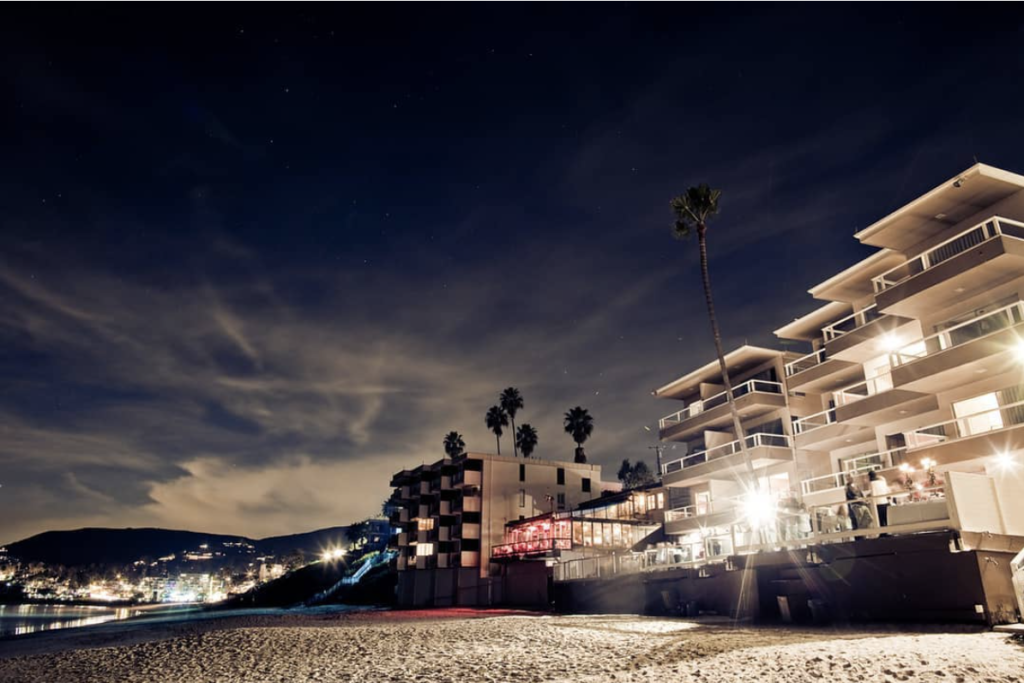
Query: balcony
{"x": 823, "y": 432}
{"x": 966, "y": 264}
{"x": 986, "y": 433}
{"x": 468, "y": 478}
{"x": 829, "y": 488}
{"x": 713, "y": 513}
{"x": 753, "y": 398}
{"x": 727, "y": 461}
{"x": 818, "y": 372}
{"x": 875, "y": 402}
{"x": 980, "y": 347}
{"x": 539, "y": 546}
{"x": 867, "y": 334}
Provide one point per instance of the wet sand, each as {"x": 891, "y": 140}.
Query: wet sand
{"x": 442, "y": 646}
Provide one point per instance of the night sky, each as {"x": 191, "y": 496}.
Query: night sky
{"x": 256, "y": 259}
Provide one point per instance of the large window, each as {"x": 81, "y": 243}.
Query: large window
{"x": 977, "y": 415}
{"x": 424, "y": 549}
{"x": 425, "y": 524}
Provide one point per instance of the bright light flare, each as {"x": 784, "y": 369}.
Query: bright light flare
{"x": 332, "y": 554}
{"x": 1005, "y": 462}
{"x": 890, "y": 344}
{"x": 759, "y": 508}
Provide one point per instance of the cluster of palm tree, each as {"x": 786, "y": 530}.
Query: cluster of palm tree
{"x": 578, "y": 424}
{"x": 524, "y": 439}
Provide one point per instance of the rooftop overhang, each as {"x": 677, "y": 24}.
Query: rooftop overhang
{"x": 808, "y": 327}
{"x": 854, "y": 283}
{"x": 736, "y": 361}
{"x": 955, "y": 200}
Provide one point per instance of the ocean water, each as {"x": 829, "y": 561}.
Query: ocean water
{"x": 16, "y": 620}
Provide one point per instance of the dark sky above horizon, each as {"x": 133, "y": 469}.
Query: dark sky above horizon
{"x": 255, "y": 259}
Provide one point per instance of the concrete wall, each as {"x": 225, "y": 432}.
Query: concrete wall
{"x": 690, "y": 592}
{"x": 527, "y": 584}
{"x": 912, "y": 578}
{"x": 618, "y": 595}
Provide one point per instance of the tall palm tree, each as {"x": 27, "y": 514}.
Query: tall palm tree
{"x": 526, "y": 439}
{"x": 511, "y": 402}
{"x": 692, "y": 210}
{"x": 580, "y": 425}
{"x": 454, "y": 446}
{"x": 496, "y": 420}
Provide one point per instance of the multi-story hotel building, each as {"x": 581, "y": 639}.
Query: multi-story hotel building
{"x": 451, "y": 513}
{"x": 915, "y": 371}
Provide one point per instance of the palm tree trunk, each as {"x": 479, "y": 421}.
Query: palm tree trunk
{"x": 497, "y": 438}
{"x": 737, "y": 425}
{"x": 515, "y": 446}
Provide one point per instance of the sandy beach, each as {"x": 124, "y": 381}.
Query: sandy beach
{"x": 461, "y": 645}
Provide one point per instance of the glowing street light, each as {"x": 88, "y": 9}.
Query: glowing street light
{"x": 332, "y": 554}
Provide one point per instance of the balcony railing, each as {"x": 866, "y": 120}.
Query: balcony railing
{"x": 863, "y": 389}
{"x": 805, "y": 362}
{"x": 959, "y": 243}
{"x": 810, "y": 422}
{"x": 859, "y": 465}
{"x": 698, "y": 407}
{"x": 850, "y": 323}
{"x": 981, "y": 422}
{"x": 967, "y": 331}
{"x": 541, "y": 545}
{"x": 725, "y": 450}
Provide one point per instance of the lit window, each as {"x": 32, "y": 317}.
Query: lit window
{"x": 424, "y": 549}
{"x": 426, "y": 524}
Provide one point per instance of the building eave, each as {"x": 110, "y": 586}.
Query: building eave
{"x": 949, "y": 203}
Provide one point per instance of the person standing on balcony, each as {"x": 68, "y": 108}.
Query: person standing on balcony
{"x": 879, "y": 489}
{"x": 860, "y": 516}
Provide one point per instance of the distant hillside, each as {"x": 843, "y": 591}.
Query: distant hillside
{"x": 122, "y": 546}
{"x": 309, "y": 543}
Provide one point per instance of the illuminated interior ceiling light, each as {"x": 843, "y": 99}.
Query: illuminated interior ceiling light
{"x": 889, "y": 342}
{"x": 1019, "y": 350}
